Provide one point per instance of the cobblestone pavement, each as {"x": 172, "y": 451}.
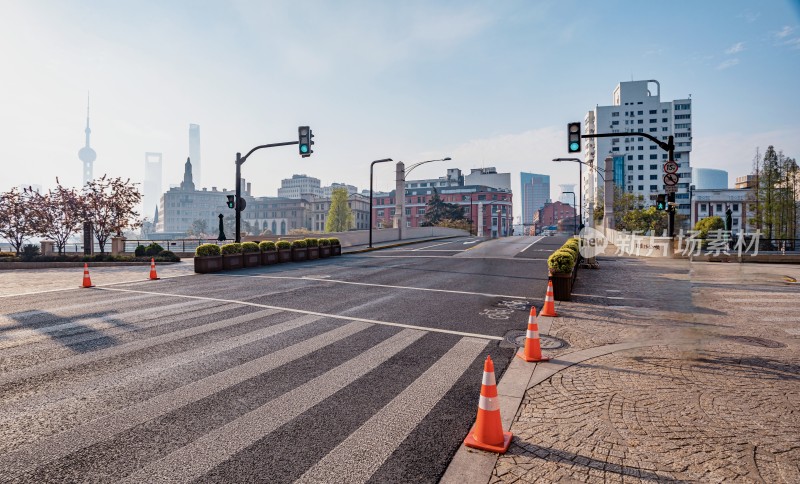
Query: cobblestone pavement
{"x": 717, "y": 400}
{"x": 24, "y": 281}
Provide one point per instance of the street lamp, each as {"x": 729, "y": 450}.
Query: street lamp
{"x": 400, "y": 197}
{"x": 370, "y": 195}
{"x": 574, "y": 222}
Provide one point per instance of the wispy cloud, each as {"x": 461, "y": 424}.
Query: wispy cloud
{"x": 735, "y": 48}
{"x": 728, "y": 63}
{"x": 749, "y": 16}
{"x": 784, "y": 32}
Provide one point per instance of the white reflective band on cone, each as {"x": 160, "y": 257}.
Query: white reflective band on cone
{"x": 532, "y": 334}
{"x": 488, "y": 378}
{"x": 489, "y": 404}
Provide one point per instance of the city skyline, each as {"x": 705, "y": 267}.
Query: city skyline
{"x": 472, "y": 81}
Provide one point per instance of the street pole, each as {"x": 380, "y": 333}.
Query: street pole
{"x": 671, "y": 195}
{"x": 239, "y": 161}
{"x": 371, "y": 165}
{"x": 580, "y": 192}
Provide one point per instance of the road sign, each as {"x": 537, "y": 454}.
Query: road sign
{"x": 670, "y": 179}
{"x": 670, "y": 188}
{"x": 670, "y": 167}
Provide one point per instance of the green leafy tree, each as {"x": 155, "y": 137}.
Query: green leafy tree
{"x": 340, "y": 216}
{"x": 776, "y": 194}
{"x": 437, "y": 210}
{"x": 708, "y": 224}
{"x": 645, "y": 220}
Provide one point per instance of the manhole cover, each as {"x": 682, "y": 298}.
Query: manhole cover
{"x": 516, "y": 339}
{"x": 755, "y": 341}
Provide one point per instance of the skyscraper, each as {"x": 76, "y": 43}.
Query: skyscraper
{"x": 86, "y": 154}
{"x": 152, "y": 184}
{"x": 535, "y": 190}
{"x": 567, "y": 198}
{"x": 194, "y": 152}
{"x": 637, "y": 108}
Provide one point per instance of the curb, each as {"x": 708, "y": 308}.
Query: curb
{"x": 399, "y": 244}
{"x": 61, "y": 265}
{"x": 475, "y": 466}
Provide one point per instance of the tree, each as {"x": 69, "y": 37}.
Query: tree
{"x": 229, "y": 226}
{"x": 438, "y": 210}
{"x": 462, "y": 224}
{"x": 707, "y": 225}
{"x": 645, "y": 220}
{"x": 340, "y": 216}
{"x": 775, "y": 194}
{"x": 17, "y": 217}
{"x": 110, "y": 206}
{"x": 199, "y": 228}
{"x": 58, "y": 214}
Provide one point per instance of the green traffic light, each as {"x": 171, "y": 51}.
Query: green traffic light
{"x": 574, "y": 146}
{"x": 303, "y": 148}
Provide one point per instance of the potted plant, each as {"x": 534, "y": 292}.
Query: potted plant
{"x": 336, "y": 247}
{"x": 312, "y": 247}
{"x": 269, "y": 253}
{"x": 232, "y": 256}
{"x": 284, "y": 250}
{"x": 324, "y": 248}
{"x": 251, "y": 254}
{"x": 299, "y": 252}
{"x": 561, "y": 264}
{"x": 207, "y": 258}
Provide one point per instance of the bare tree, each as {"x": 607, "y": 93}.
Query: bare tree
{"x": 58, "y": 214}
{"x": 16, "y": 217}
{"x": 110, "y": 205}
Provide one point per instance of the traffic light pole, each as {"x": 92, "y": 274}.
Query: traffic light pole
{"x": 669, "y": 147}
{"x": 239, "y": 162}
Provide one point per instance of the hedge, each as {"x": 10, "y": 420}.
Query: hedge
{"x": 248, "y": 247}
{"x": 205, "y": 250}
{"x": 267, "y": 245}
{"x": 231, "y": 249}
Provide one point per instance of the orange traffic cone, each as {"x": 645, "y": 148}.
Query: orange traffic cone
{"x": 533, "y": 348}
{"x": 487, "y": 433}
{"x": 153, "y": 275}
{"x": 549, "y": 308}
{"x": 87, "y": 281}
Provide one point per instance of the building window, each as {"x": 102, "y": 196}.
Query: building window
{"x": 735, "y": 207}
{"x": 641, "y": 188}
{"x": 615, "y": 114}
{"x": 614, "y": 123}
{"x": 664, "y": 156}
{"x": 640, "y": 157}
{"x": 640, "y": 112}
{"x": 683, "y": 125}
{"x": 682, "y": 135}
{"x": 682, "y": 107}
{"x": 653, "y": 188}
{"x": 653, "y": 111}
{"x": 640, "y": 167}
{"x": 654, "y": 167}
{"x": 630, "y": 167}
{"x": 640, "y": 121}
{"x": 664, "y": 111}
{"x": 630, "y": 157}
{"x": 630, "y": 188}
{"x": 653, "y": 120}
{"x": 654, "y": 177}
{"x": 616, "y": 148}
{"x": 640, "y": 177}
{"x": 653, "y": 157}
{"x": 703, "y": 207}
{"x": 664, "y": 120}
{"x": 664, "y": 129}
{"x": 640, "y": 148}
{"x": 683, "y": 116}
{"x": 630, "y": 177}
{"x": 719, "y": 207}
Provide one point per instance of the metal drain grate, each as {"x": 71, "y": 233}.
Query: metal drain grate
{"x": 516, "y": 339}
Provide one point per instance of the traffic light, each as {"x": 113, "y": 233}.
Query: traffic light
{"x": 661, "y": 202}
{"x": 305, "y": 139}
{"x": 231, "y": 201}
{"x": 574, "y": 137}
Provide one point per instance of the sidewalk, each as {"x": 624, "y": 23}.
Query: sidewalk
{"x": 675, "y": 372}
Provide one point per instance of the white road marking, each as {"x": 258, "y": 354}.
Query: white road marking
{"x": 320, "y": 279}
{"x": 316, "y": 313}
{"x": 379, "y": 436}
{"x": 522, "y": 259}
{"x": 471, "y": 242}
{"x": 434, "y": 245}
{"x": 529, "y": 245}
{"x": 78, "y": 284}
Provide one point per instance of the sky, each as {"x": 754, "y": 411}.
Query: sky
{"x": 488, "y": 83}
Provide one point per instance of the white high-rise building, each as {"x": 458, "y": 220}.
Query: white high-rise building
{"x": 194, "y": 153}
{"x": 152, "y": 184}
{"x": 299, "y": 185}
{"x": 637, "y": 168}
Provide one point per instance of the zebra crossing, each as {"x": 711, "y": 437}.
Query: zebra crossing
{"x": 140, "y": 387}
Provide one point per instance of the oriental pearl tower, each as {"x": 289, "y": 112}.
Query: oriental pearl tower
{"x": 86, "y": 154}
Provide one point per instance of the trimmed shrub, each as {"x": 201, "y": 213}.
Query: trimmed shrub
{"x": 283, "y": 244}
{"x": 205, "y": 250}
{"x": 248, "y": 247}
{"x": 139, "y": 251}
{"x": 167, "y": 256}
{"x": 266, "y": 246}
{"x": 153, "y": 250}
{"x": 29, "y": 251}
{"x": 312, "y": 242}
{"x": 561, "y": 261}
{"x": 334, "y": 241}
{"x": 324, "y": 242}
{"x": 231, "y": 249}
{"x": 7, "y": 254}
{"x": 299, "y": 244}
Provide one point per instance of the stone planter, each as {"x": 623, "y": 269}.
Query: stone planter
{"x": 232, "y": 261}
{"x": 284, "y": 255}
{"x": 252, "y": 259}
{"x": 336, "y": 250}
{"x": 562, "y": 285}
{"x": 269, "y": 257}
{"x": 204, "y": 265}
{"x": 313, "y": 253}
{"x": 299, "y": 254}
{"x": 324, "y": 251}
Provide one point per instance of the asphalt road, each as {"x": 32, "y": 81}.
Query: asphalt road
{"x": 365, "y": 367}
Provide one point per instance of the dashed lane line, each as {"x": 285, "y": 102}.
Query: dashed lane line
{"x": 317, "y": 313}
{"x": 338, "y": 281}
